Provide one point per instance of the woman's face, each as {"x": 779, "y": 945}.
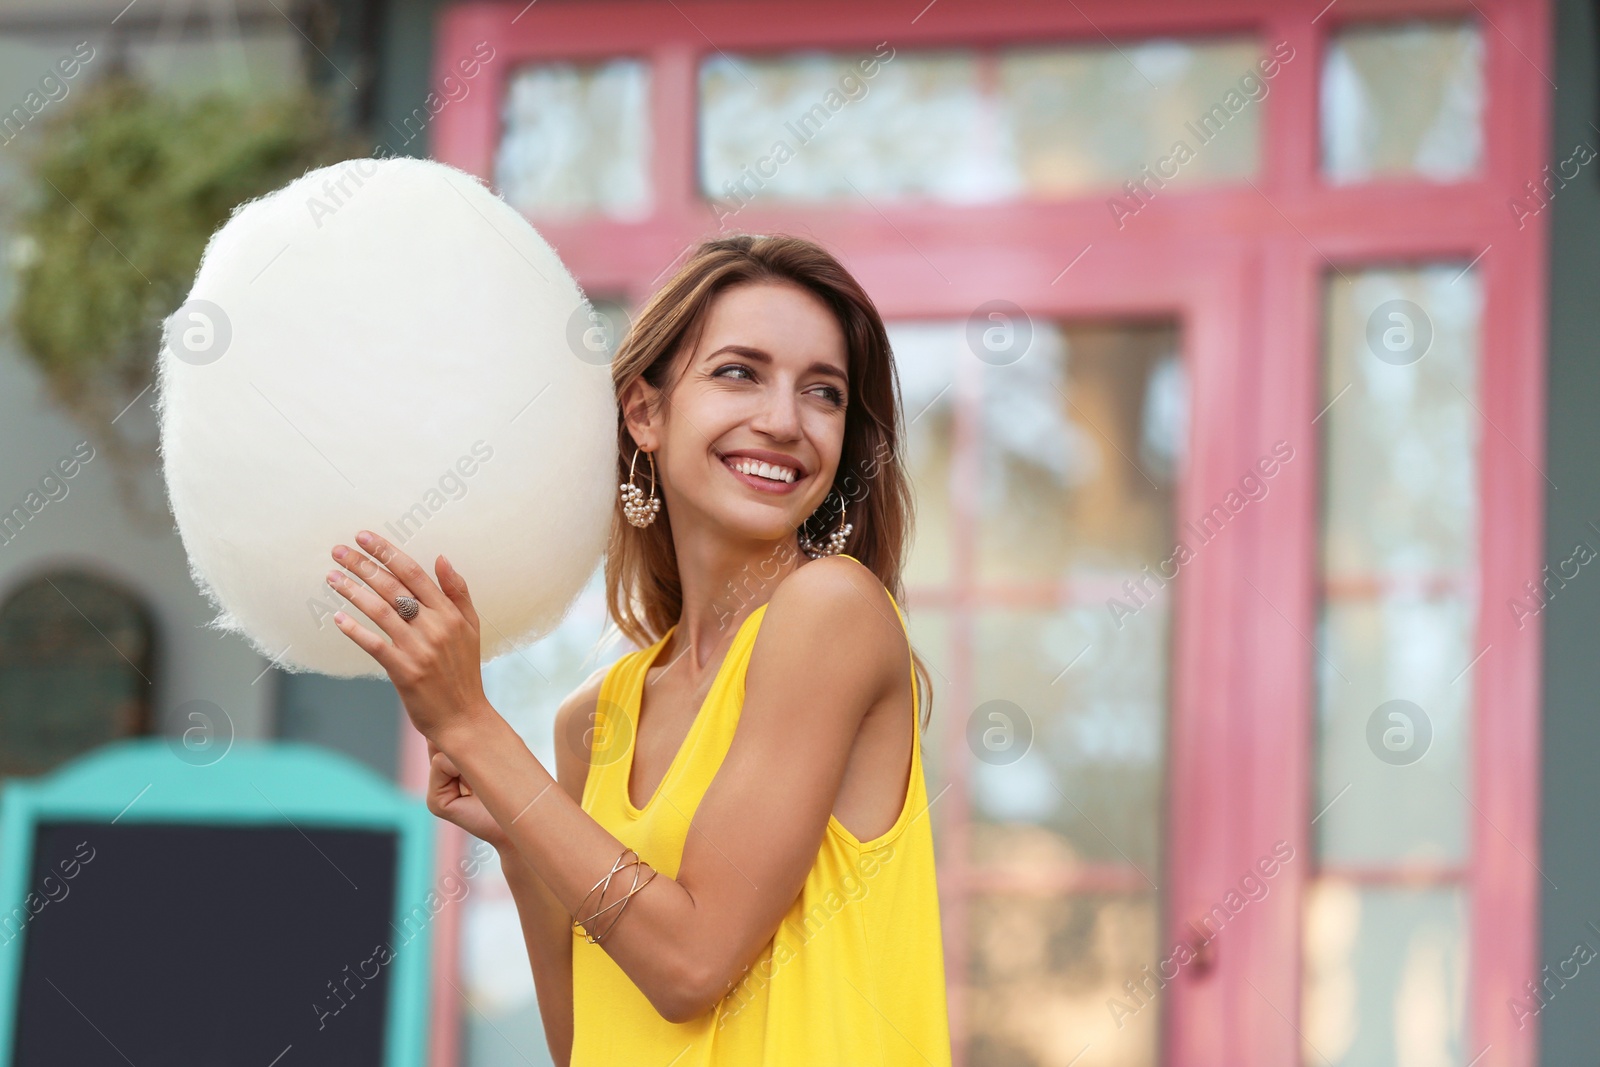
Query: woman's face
{"x": 767, "y": 383}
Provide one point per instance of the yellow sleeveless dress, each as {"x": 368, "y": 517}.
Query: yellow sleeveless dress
{"x": 854, "y": 975}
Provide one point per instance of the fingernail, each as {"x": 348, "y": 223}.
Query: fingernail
{"x": 333, "y": 577}
{"x": 364, "y": 538}
{"x": 339, "y": 616}
{"x": 340, "y": 552}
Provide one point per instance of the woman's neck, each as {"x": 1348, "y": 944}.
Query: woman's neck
{"x": 722, "y": 585}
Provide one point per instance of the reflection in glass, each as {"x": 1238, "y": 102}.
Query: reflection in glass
{"x": 1083, "y": 443}
{"x": 1403, "y": 99}
{"x": 1394, "y": 812}
{"x": 1400, "y": 470}
{"x": 1090, "y": 788}
{"x": 971, "y": 127}
{"x": 1385, "y": 976}
{"x": 576, "y": 140}
{"x": 811, "y": 126}
{"x": 1385, "y": 934}
{"x": 1058, "y": 980}
{"x": 1081, "y": 446}
{"x": 1093, "y": 117}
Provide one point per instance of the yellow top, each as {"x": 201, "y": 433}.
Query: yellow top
{"x": 854, "y": 975}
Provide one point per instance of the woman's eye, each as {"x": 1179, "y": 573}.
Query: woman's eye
{"x": 835, "y": 395}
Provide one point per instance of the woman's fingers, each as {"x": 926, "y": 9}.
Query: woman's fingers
{"x": 443, "y": 764}
{"x": 417, "y": 581}
{"x": 363, "y": 566}
{"x": 374, "y": 607}
{"x": 369, "y": 642}
{"x": 387, "y": 573}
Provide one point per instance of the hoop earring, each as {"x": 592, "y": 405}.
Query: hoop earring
{"x": 636, "y": 508}
{"x": 836, "y": 540}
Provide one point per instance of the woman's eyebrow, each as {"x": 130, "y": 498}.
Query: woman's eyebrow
{"x": 762, "y": 356}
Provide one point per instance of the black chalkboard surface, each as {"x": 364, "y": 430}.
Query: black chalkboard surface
{"x": 207, "y": 946}
{"x": 271, "y": 909}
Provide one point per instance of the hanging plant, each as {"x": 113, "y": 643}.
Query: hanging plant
{"x": 122, "y": 191}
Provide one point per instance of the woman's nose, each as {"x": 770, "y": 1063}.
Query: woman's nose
{"x": 780, "y": 414}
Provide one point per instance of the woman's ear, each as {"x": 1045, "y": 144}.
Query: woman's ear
{"x": 640, "y": 406}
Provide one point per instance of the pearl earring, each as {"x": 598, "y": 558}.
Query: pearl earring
{"x": 836, "y": 540}
{"x": 636, "y": 508}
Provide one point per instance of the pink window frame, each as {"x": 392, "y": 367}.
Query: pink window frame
{"x": 1241, "y": 267}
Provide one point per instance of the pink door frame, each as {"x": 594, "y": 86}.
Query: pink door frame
{"x": 1240, "y": 267}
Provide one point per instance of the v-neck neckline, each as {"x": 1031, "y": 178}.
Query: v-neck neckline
{"x": 636, "y": 704}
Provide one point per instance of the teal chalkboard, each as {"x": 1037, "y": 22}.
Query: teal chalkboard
{"x": 272, "y": 906}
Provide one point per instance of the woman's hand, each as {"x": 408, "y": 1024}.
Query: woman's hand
{"x": 451, "y": 799}
{"x": 433, "y": 658}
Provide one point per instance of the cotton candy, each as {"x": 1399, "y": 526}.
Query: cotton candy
{"x": 384, "y": 345}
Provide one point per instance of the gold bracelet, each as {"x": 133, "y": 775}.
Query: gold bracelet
{"x": 603, "y": 884}
{"x": 637, "y": 886}
{"x": 635, "y": 864}
{"x": 586, "y": 921}
{"x": 620, "y": 904}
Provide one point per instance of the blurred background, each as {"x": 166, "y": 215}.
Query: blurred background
{"x": 1247, "y": 352}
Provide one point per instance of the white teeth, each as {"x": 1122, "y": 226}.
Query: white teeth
{"x": 769, "y": 471}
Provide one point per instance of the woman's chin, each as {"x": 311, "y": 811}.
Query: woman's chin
{"x": 759, "y": 523}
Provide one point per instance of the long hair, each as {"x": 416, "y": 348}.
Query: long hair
{"x": 644, "y": 595}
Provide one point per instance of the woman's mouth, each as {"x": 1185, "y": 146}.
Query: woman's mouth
{"x": 766, "y": 477}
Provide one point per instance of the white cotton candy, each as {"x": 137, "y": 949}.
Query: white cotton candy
{"x": 384, "y": 345}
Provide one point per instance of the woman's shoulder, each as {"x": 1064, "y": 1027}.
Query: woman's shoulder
{"x": 829, "y": 582}
{"x": 833, "y": 607}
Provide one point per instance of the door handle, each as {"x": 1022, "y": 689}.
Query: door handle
{"x": 1205, "y": 952}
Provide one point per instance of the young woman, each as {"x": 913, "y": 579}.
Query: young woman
{"x": 733, "y": 864}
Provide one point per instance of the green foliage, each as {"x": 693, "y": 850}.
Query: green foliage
{"x": 127, "y": 185}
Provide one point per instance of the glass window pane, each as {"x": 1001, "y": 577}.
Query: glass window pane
{"x": 1083, "y": 442}
{"x": 576, "y": 140}
{"x": 1048, "y": 981}
{"x": 1385, "y": 970}
{"x": 1403, "y": 99}
{"x": 1090, "y": 118}
{"x": 1400, "y": 471}
{"x": 1081, "y": 446}
{"x": 968, "y": 127}
{"x": 1399, "y": 544}
{"x": 925, "y": 355}
{"x": 1385, "y": 977}
{"x": 1381, "y": 802}
{"x": 1089, "y": 787}
{"x": 811, "y": 126}
{"x": 76, "y": 656}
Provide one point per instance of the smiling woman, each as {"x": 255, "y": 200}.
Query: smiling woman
{"x": 770, "y": 896}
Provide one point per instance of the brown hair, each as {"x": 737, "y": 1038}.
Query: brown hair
{"x": 643, "y": 593}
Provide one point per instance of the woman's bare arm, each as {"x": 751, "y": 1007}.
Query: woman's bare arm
{"x": 829, "y": 648}
{"x": 546, "y": 927}
{"x": 547, "y": 931}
